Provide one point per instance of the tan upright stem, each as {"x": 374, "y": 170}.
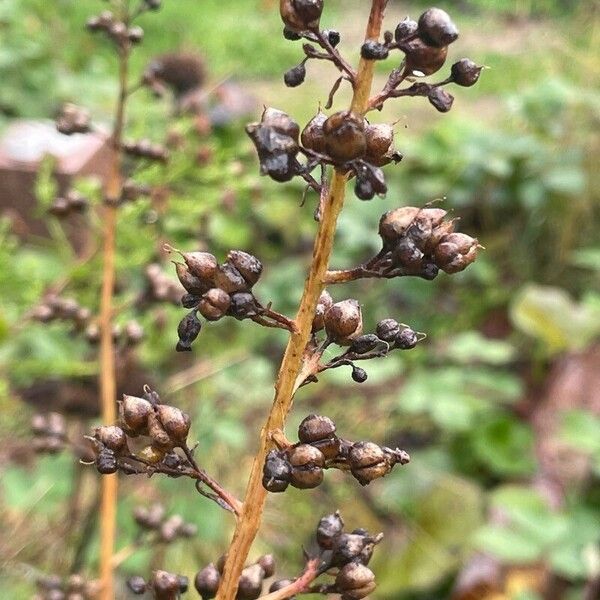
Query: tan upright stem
{"x": 291, "y": 365}
{"x": 108, "y": 506}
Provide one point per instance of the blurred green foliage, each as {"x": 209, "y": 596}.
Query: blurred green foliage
{"x": 516, "y": 164}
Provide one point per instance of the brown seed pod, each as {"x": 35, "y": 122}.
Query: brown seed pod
{"x": 343, "y": 322}
{"x": 379, "y": 140}
{"x": 164, "y": 585}
{"x": 243, "y": 306}
{"x": 301, "y": 15}
{"x": 394, "y": 223}
{"x": 276, "y": 472}
{"x": 112, "y": 437}
{"x": 355, "y": 581}
{"x": 465, "y": 72}
{"x": 319, "y": 431}
{"x": 422, "y": 58}
{"x": 175, "y": 422}
{"x": 281, "y": 122}
{"x": 201, "y": 264}
{"x": 207, "y": 582}
{"x": 250, "y": 584}
{"x": 323, "y": 305}
{"x": 456, "y": 252}
{"x": 436, "y": 28}
{"x": 191, "y": 283}
{"x": 248, "y": 265}
{"x": 368, "y": 462}
{"x": 313, "y": 137}
{"x": 307, "y": 466}
{"x": 160, "y": 438}
{"x": 328, "y": 529}
{"x": 214, "y": 304}
{"x": 134, "y": 413}
{"x": 345, "y": 138}
{"x": 229, "y": 279}
{"x": 267, "y": 562}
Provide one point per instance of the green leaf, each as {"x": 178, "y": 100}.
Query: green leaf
{"x": 510, "y": 546}
{"x": 472, "y": 347}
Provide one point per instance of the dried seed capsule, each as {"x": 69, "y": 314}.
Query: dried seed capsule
{"x": 343, "y": 322}
{"x": 394, "y": 223}
{"x": 333, "y": 36}
{"x": 207, "y": 582}
{"x": 465, "y": 72}
{"x": 247, "y": 264}
{"x": 243, "y": 305}
{"x": 276, "y": 472}
{"x": 359, "y": 375}
{"x": 175, "y": 422}
{"x": 367, "y": 462}
{"x": 135, "y": 34}
{"x": 184, "y": 583}
{"x": 191, "y": 283}
{"x": 202, "y": 265}
{"x": 355, "y": 581}
{"x": 345, "y": 136}
{"x": 406, "y": 339}
{"x": 136, "y": 584}
{"x": 75, "y": 583}
{"x": 295, "y": 76}
{"x": 323, "y": 305}
{"x": 379, "y": 138}
{"x": 319, "y": 431}
{"x": 169, "y": 529}
{"x": 188, "y": 330}
{"x": 164, "y": 585}
{"x": 404, "y": 29}
{"x": 312, "y": 136}
{"x": 421, "y": 58}
{"x": 440, "y": 99}
{"x": 387, "y": 330}
{"x": 214, "y": 304}
{"x": 134, "y": 333}
{"x": 281, "y": 122}
{"x": 160, "y": 437}
{"x": 73, "y": 119}
{"x": 363, "y": 189}
{"x": 408, "y": 257}
{"x": 301, "y": 15}
{"x": 190, "y": 301}
{"x": 307, "y": 466}
{"x": 373, "y": 50}
{"x": 436, "y": 28}
{"x": 364, "y": 343}
{"x": 348, "y": 547}
{"x": 328, "y": 529}
{"x": 267, "y": 562}
{"x": 456, "y": 252}
{"x": 106, "y": 462}
{"x": 250, "y": 584}
{"x": 229, "y": 279}
{"x": 134, "y": 413}
{"x": 290, "y": 35}
{"x": 112, "y": 437}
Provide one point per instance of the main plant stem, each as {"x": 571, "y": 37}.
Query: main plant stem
{"x": 108, "y": 392}
{"x": 249, "y": 522}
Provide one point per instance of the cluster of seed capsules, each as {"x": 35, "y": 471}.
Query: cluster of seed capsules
{"x": 419, "y": 241}
{"x": 343, "y": 325}
{"x": 115, "y": 29}
{"x": 166, "y": 529}
{"x": 302, "y": 465}
{"x": 166, "y": 426}
{"x": 57, "y": 308}
{"x": 161, "y": 584}
{"x": 251, "y": 581}
{"x": 217, "y": 290}
{"x": 75, "y": 587}
{"x": 49, "y": 432}
{"x": 343, "y": 139}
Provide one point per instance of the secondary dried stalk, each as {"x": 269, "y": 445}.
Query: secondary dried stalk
{"x": 291, "y": 365}
{"x": 108, "y": 507}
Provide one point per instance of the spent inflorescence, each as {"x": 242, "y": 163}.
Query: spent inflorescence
{"x": 302, "y": 465}
{"x": 161, "y": 584}
{"x": 153, "y": 520}
{"x": 217, "y": 290}
{"x": 74, "y": 587}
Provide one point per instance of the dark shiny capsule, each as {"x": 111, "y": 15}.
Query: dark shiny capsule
{"x": 406, "y": 339}
{"x": 440, "y": 99}
{"x": 184, "y": 583}
{"x": 106, "y": 462}
{"x": 290, "y": 35}
{"x": 190, "y": 301}
{"x": 363, "y": 189}
{"x": 405, "y": 29}
{"x": 436, "y": 28}
{"x": 243, "y": 305}
{"x": 359, "y": 375}
{"x": 387, "y": 330}
{"x": 465, "y": 72}
{"x": 372, "y": 50}
{"x": 333, "y": 36}
{"x": 328, "y": 529}
{"x": 295, "y": 76}
{"x": 364, "y": 343}
{"x": 207, "y": 582}
{"x": 188, "y": 329}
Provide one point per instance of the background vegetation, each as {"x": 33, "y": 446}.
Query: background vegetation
{"x": 496, "y": 409}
